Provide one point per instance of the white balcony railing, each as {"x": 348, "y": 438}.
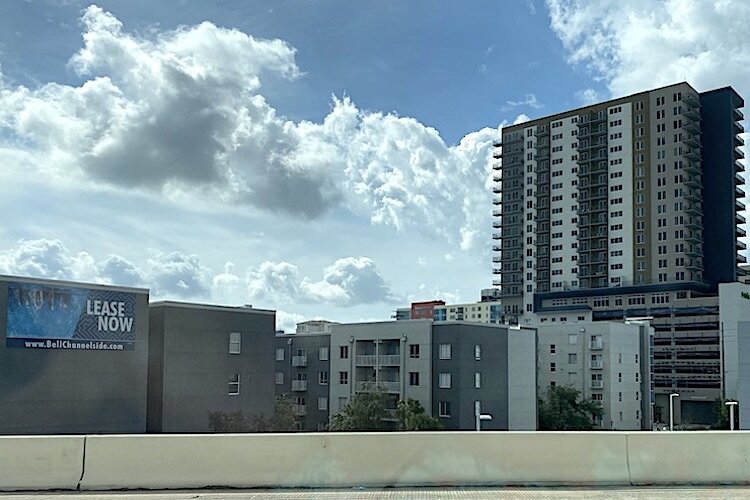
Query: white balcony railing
{"x": 299, "y": 385}
{"x": 597, "y": 384}
{"x": 300, "y": 410}
{"x": 596, "y": 344}
{"x": 299, "y": 360}
{"x": 390, "y": 360}
{"x": 366, "y": 360}
{"x": 596, "y": 365}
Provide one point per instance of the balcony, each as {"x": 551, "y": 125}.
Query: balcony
{"x": 738, "y": 179}
{"x": 741, "y": 259}
{"x": 299, "y": 361}
{"x": 497, "y": 236}
{"x": 371, "y": 385}
{"x": 692, "y": 113}
{"x": 738, "y": 193}
{"x": 597, "y": 384}
{"x": 497, "y": 224}
{"x": 694, "y": 154}
{"x": 299, "y": 385}
{"x": 299, "y": 410}
{"x": 497, "y": 154}
{"x": 738, "y": 116}
{"x": 741, "y": 245}
{"x": 596, "y": 365}
{"x": 739, "y": 154}
{"x": 497, "y": 165}
{"x": 738, "y": 141}
{"x": 740, "y": 232}
{"x": 497, "y": 201}
{"x": 366, "y": 360}
{"x": 596, "y": 345}
{"x": 390, "y": 359}
{"x": 738, "y": 205}
{"x": 739, "y": 219}
{"x": 496, "y": 282}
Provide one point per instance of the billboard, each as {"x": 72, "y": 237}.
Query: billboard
{"x": 57, "y": 317}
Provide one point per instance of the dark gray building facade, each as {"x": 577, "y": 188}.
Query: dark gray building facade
{"x": 74, "y": 358}
{"x": 302, "y": 373}
{"x": 204, "y": 359}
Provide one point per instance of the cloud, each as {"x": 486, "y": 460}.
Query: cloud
{"x": 227, "y": 288}
{"x": 641, "y": 44}
{"x": 173, "y": 275}
{"x": 180, "y": 114}
{"x": 178, "y": 276}
{"x": 588, "y": 96}
{"x": 522, "y": 118}
{"x": 45, "y": 259}
{"x": 529, "y": 100}
{"x": 287, "y": 322}
{"x": 348, "y": 281}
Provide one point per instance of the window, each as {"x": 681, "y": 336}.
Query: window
{"x": 235, "y": 339}
{"x": 280, "y": 354}
{"x": 322, "y": 403}
{"x": 344, "y": 378}
{"x": 572, "y": 338}
{"x": 234, "y": 384}
{"x": 444, "y": 408}
{"x": 414, "y": 351}
{"x": 445, "y": 351}
{"x": 414, "y": 378}
{"x": 279, "y": 378}
{"x": 344, "y": 352}
{"x": 477, "y": 352}
{"x": 323, "y": 378}
{"x": 444, "y": 380}
{"x": 552, "y": 367}
{"x": 477, "y": 380}
{"x": 323, "y": 353}
{"x": 572, "y": 358}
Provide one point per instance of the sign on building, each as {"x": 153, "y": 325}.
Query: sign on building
{"x": 53, "y": 317}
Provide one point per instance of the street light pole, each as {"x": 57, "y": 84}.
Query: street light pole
{"x": 731, "y": 405}
{"x": 671, "y": 409}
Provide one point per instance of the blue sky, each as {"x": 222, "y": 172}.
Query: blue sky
{"x": 323, "y": 158}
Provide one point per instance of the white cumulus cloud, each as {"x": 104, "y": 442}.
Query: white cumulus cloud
{"x": 641, "y": 44}
{"x": 181, "y": 114}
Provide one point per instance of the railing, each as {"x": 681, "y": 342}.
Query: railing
{"x": 299, "y": 360}
{"x": 597, "y": 384}
{"x": 300, "y": 410}
{"x": 595, "y": 345}
{"x": 596, "y": 365}
{"x": 390, "y": 360}
{"x": 299, "y": 385}
{"x": 366, "y": 359}
{"x": 371, "y": 385}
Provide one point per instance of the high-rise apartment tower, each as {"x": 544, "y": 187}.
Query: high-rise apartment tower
{"x": 638, "y": 191}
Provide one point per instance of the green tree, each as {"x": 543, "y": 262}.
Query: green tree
{"x": 412, "y": 417}
{"x": 227, "y": 422}
{"x": 365, "y": 412}
{"x": 563, "y": 411}
{"x": 282, "y": 419}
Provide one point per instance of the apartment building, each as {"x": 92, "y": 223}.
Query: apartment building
{"x": 600, "y": 216}
{"x": 206, "y": 358}
{"x": 447, "y": 367}
{"x": 302, "y": 372}
{"x": 74, "y": 358}
{"x": 608, "y": 362}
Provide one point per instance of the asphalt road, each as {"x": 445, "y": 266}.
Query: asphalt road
{"x": 633, "y": 493}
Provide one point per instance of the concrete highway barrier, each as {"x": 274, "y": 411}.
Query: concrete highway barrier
{"x": 319, "y": 460}
{"x": 717, "y": 457}
{"x": 41, "y": 462}
{"x": 343, "y": 460}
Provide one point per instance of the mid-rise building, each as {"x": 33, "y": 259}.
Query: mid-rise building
{"x": 607, "y": 362}
{"x": 206, "y": 358}
{"x": 74, "y": 358}
{"x": 603, "y": 214}
{"x": 303, "y": 372}
{"x": 451, "y": 368}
